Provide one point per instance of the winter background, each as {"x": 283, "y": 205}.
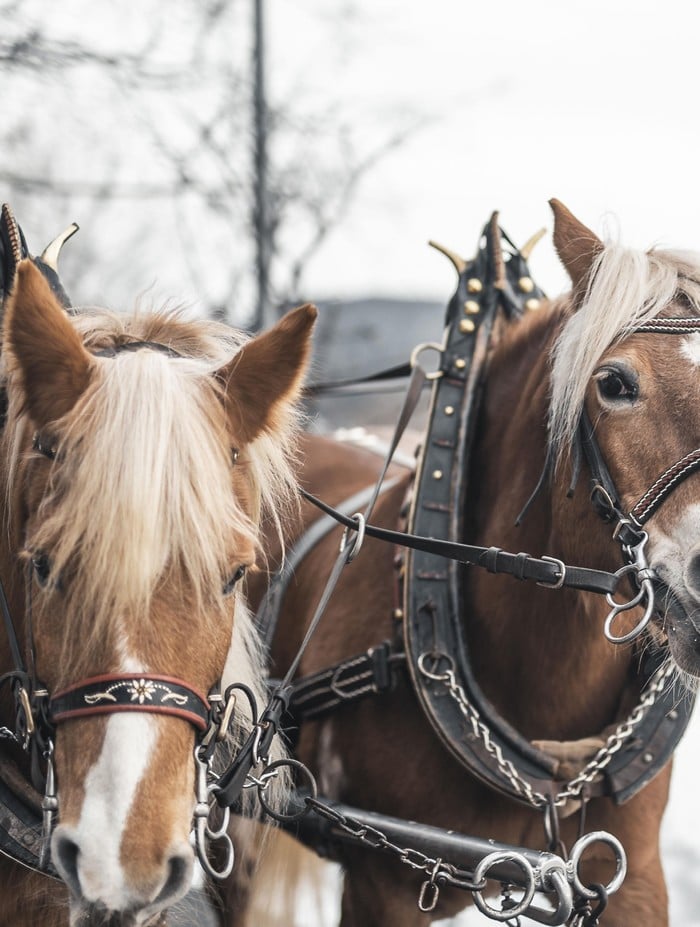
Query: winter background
{"x": 386, "y": 123}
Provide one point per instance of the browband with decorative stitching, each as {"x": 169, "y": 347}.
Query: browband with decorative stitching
{"x": 147, "y": 692}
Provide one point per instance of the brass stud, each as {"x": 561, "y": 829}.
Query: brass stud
{"x": 437, "y": 474}
{"x": 449, "y": 410}
{"x": 526, "y": 284}
{"x": 398, "y": 614}
{"x": 471, "y": 307}
{"x": 532, "y": 303}
{"x": 474, "y": 285}
{"x": 460, "y": 363}
{"x": 466, "y": 325}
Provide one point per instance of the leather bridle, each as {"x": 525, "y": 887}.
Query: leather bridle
{"x": 38, "y": 712}
{"x": 629, "y": 526}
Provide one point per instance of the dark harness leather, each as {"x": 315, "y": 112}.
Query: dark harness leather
{"x": 434, "y": 605}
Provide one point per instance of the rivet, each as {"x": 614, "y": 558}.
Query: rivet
{"x": 449, "y": 410}
{"x": 474, "y": 285}
{"x": 672, "y": 715}
{"x": 526, "y": 284}
{"x": 466, "y": 325}
{"x": 460, "y": 363}
{"x": 437, "y": 474}
{"x": 398, "y": 614}
{"x": 532, "y": 303}
{"x": 471, "y": 307}
{"x": 648, "y": 757}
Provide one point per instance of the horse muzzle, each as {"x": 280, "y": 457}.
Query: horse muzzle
{"x": 681, "y": 625}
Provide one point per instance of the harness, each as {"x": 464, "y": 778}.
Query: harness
{"x": 435, "y": 649}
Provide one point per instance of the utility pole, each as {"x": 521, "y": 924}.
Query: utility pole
{"x": 260, "y": 205}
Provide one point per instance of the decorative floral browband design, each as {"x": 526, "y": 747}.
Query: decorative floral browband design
{"x": 120, "y": 692}
{"x": 138, "y": 690}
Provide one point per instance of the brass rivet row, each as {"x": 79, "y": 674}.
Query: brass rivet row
{"x": 460, "y": 363}
{"x": 526, "y": 285}
{"x": 449, "y": 410}
{"x": 437, "y": 474}
{"x": 471, "y": 307}
{"x": 474, "y": 285}
{"x": 532, "y": 304}
{"x": 466, "y": 325}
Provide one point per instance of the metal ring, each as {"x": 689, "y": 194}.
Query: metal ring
{"x": 646, "y": 591}
{"x": 353, "y": 551}
{"x": 437, "y": 656}
{"x": 427, "y": 346}
{"x": 577, "y": 850}
{"x": 480, "y": 873}
{"x": 279, "y": 815}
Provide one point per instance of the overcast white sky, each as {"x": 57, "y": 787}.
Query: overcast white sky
{"x": 594, "y": 102}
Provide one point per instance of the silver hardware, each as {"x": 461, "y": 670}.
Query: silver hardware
{"x": 559, "y": 582}
{"x": 418, "y": 350}
{"x": 430, "y": 890}
{"x": 486, "y": 864}
{"x": 597, "y": 836}
{"x": 49, "y": 807}
{"x": 354, "y": 549}
{"x": 204, "y": 830}
{"x": 520, "y": 785}
{"x": 643, "y": 575}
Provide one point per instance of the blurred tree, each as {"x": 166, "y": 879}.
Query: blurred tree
{"x": 139, "y": 123}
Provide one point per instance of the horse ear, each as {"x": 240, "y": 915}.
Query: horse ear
{"x": 263, "y": 380}
{"x": 576, "y": 245}
{"x": 43, "y": 347}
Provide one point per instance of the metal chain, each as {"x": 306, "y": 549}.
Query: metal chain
{"x": 590, "y": 771}
{"x": 439, "y": 872}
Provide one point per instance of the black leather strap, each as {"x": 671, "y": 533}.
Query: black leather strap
{"x": 520, "y": 566}
{"x": 370, "y": 673}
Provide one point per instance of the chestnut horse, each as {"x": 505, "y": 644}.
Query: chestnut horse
{"x": 540, "y": 655}
{"x": 139, "y": 457}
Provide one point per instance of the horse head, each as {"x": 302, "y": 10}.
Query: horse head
{"x": 628, "y": 356}
{"x": 135, "y": 482}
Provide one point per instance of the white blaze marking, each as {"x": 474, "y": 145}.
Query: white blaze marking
{"x": 690, "y": 348}
{"x": 110, "y": 787}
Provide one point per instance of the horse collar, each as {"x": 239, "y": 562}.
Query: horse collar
{"x": 437, "y": 648}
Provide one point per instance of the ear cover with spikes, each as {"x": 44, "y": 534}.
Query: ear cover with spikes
{"x": 577, "y": 246}
{"x": 44, "y": 351}
{"x": 264, "y": 379}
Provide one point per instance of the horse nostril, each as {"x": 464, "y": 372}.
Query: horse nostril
{"x": 64, "y": 853}
{"x": 179, "y": 876}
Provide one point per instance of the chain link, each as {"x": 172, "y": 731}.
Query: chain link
{"x": 590, "y": 771}
{"x": 439, "y": 872}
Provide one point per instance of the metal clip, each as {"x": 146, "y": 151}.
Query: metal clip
{"x": 430, "y": 890}
{"x": 204, "y": 832}
{"x": 643, "y": 576}
{"x": 49, "y": 807}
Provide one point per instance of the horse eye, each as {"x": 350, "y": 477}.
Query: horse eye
{"x": 230, "y": 584}
{"x": 615, "y": 385}
{"x": 42, "y": 568}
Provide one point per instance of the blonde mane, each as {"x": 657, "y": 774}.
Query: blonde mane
{"x": 141, "y": 491}
{"x": 627, "y": 287}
